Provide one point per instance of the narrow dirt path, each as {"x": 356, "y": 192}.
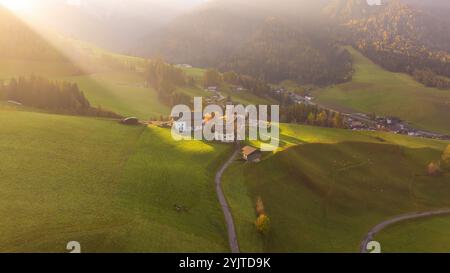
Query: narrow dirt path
{"x": 374, "y": 231}
{"x": 232, "y": 237}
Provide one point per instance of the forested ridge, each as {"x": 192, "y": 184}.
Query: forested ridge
{"x": 399, "y": 37}
{"x": 268, "y": 46}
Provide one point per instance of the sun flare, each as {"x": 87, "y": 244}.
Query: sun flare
{"x": 17, "y": 5}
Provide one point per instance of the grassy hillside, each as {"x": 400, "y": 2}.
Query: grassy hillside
{"x": 328, "y": 187}
{"x": 122, "y": 92}
{"x": 108, "y": 186}
{"x": 374, "y": 90}
{"x": 117, "y": 90}
{"x": 422, "y": 235}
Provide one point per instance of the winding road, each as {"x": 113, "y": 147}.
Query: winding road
{"x": 232, "y": 237}
{"x": 374, "y": 231}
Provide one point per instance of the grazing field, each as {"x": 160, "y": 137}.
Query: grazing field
{"x": 111, "y": 187}
{"x": 327, "y": 188}
{"x": 374, "y": 90}
{"x": 123, "y": 93}
{"x": 422, "y": 235}
{"x": 120, "y": 91}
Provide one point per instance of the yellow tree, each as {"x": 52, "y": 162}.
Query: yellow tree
{"x": 446, "y": 157}
{"x": 434, "y": 169}
{"x": 260, "y": 207}
{"x": 263, "y": 224}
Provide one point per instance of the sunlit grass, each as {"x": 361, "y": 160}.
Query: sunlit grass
{"x": 375, "y": 90}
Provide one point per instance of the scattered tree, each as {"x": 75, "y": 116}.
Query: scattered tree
{"x": 263, "y": 224}
{"x": 446, "y": 158}
{"x": 434, "y": 168}
{"x": 212, "y": 78}
{"x": 165, "y": 79}
{"x": 262, "y": 221}
{"x": 260, "y": 207}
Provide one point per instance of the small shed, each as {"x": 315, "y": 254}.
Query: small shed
{"x": 251, "y": 154}
{"x": 130, "y": 121}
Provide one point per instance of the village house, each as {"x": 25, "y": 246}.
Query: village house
{"x": 238, "y": 88}
{"x": 184, "y": 66}
{"x": 183, "y": 126}
{"x": 15, "y": 102}
{"x": 251, "y": 154}
{"x": 212, "y": 88}
{"x": 224, "y": 137}
{"x": 130, "y": 121}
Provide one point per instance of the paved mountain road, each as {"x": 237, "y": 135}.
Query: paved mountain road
{"x": 374, "y": 231}
{"x": 232, "y": 237}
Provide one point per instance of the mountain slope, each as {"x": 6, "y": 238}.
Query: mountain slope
{"x": 375, "y": 90}
{"x": 112, "y": 24}
{"x": 111, "y": 81}
{"x": 398, "y": 36}
{"x": 239, "y": 35}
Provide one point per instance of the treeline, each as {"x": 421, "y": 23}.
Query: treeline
{"x": 311, "y": 115}
{"x": 52, "y": 96}
{"x": 253, "y": 85}
{"x": 431, "y": 79}
{"x": 165, "y": 79}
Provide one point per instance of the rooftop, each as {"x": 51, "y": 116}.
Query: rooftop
{"x": 248, "y": 150}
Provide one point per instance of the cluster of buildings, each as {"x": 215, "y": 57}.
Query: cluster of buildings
{"x": 187, "y": 66}
{"x": 389, "y": 124}
{"x": 294, "y": 97}
{"x": 248, "y": 153}
{"x": 217, "y": 97}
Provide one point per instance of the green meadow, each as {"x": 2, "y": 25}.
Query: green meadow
{"x": 121, "y": 92}
{"x": 111, "y": 187}
{"x": 421, "y": 235}
{"x": 375, "y": 90}
{"x": 326, "y": 188}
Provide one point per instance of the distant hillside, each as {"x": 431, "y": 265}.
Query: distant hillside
{"x": 376, "y": 90}
{"x": 113, "y": 24}
{"x": 19, "y": 41}
{"x": 399, "y": 36}
{"x": 249, "y": 37}
{"x": 110, "y": 81}
{"x": 298, "y": 40}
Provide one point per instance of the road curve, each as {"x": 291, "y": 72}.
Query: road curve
{"x": 232, "y": 237}
{"x": 374, "y": 231}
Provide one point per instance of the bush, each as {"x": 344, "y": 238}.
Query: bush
{"x": 263, "y": 224}
{"x": 260, "y": 207}
{"x": 434, "y": 168}
{"x": 446, "y": 158}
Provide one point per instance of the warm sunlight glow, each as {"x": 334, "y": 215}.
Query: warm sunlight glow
{"x": 17, "y": 5}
